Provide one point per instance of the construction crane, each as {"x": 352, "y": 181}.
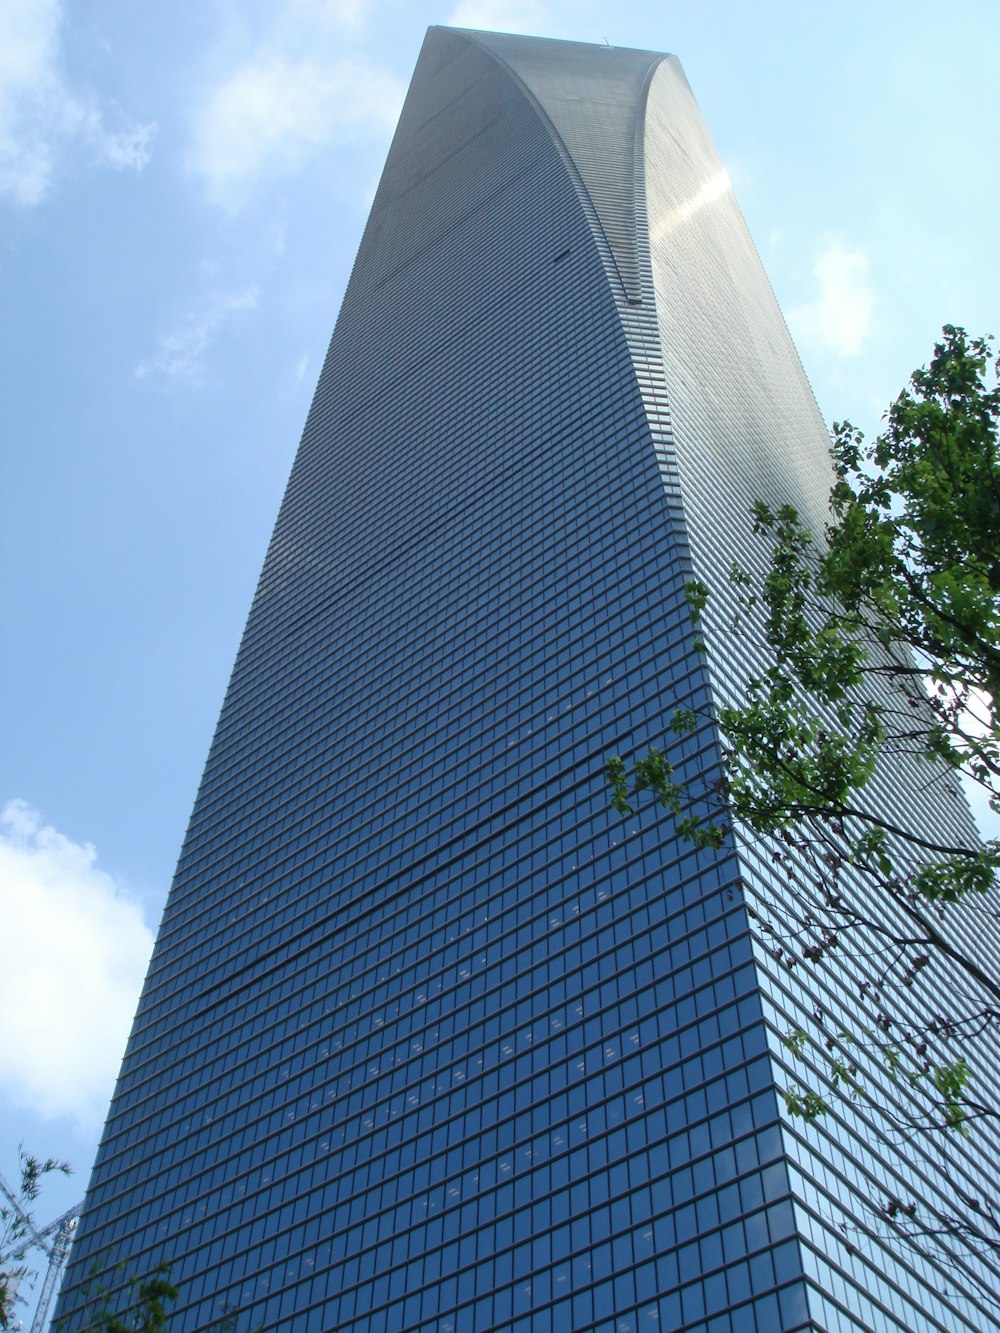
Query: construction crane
{"x": 54, "y": 1241}
{"x": 61, "y": 1231}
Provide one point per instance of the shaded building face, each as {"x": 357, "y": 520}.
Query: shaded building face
{"x": 431, "y": 1039}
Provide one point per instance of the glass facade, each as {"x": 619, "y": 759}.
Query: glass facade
{"x": 431, "y": 1039}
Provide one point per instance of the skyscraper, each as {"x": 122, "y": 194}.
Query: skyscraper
{"x": 431, "y": 1039}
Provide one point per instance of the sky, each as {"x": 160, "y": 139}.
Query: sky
{"x": 182, "y": 192}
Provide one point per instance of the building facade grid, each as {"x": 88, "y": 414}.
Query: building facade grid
{"x": 431, "y": 1039}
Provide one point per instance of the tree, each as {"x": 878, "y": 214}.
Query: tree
{"x": 882, "y": 646}
{"x": 18, "y": 1233}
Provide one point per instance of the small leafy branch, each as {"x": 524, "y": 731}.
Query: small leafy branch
{"x": 145, "y": 1311}
{"x": 18, "y": 1232}
{"x": 114, "y": 1302}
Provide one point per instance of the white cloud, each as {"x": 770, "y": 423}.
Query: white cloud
{"x": 43, "y": 119}
{"x": 181, "y": 351}
{"x": 75, "y": 953}
{"x": 127, "y": 150}
{"x": 840, "y": 317}
{"x": 295, "y": 93}
{"x": 267, "y": 117}
{"x": 350, "y": 14}
{"x": 498, "y": 15}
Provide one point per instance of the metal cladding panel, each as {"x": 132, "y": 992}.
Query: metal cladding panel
{"x": 431, "y": 1039}
{"x": 593, "y": 97}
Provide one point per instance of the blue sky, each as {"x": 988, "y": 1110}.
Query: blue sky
{"x": 182, "y": 190}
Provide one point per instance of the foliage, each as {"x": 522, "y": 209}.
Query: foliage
{"x": 18, "y": 1231}
{"x": 149, "y": 1298}
{"x": 145, "y": 1312}
{"x": 881, "y": 647}
{"x": 141, "y": 1304}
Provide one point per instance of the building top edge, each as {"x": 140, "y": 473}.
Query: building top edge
{"x": 549, "y": 41}
{"x": 592, "y": 99}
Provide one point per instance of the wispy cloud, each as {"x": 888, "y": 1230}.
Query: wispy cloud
{"x": 42, "y": 118}
{"x": 324, "y": 14}
{"x": 840, "y": 317}
{"x": 498, "y": 15}
{"x": 181, "y": 351}
{"x": 295, "y": 93}
{"x": 75, "y": 952}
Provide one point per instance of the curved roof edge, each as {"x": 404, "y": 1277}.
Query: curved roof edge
{"x": 593, "y": 98}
